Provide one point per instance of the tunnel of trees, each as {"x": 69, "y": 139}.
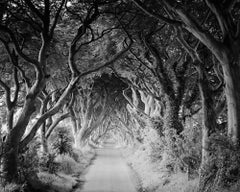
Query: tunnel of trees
{"x": 161, "y": 77}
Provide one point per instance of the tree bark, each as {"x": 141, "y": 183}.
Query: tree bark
{"x": 55, "y": 123}
{"x": 44, "y": 141}
{"x": 208, "y": 124}
{"x": 10, "y": 160}
{"x": 171, "y": 118}
{"x": 44, "y": 103}
{"x": 73, "y": 121}
{"x": 232, "y": 90}
{"x": 10, "y": 116}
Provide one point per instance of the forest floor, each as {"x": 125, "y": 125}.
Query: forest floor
{"x": 108, "y": 173}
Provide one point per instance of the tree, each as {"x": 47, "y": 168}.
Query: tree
{"x": 45, "y": 31}
{"x": 222, "y": 43}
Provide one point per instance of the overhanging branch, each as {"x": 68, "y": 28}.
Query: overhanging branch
{"x": 141, "y": 6}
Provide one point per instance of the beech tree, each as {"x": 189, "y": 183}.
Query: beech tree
{"x": 45, "y": 31}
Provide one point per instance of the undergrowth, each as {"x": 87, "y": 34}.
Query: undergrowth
{"x": 222, "y": 173}
{"x": 167, "y": 166}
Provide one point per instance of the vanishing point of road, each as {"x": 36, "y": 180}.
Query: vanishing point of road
{"x": 109, "y": 173}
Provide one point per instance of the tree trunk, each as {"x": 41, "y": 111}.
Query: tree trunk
{"x": 10, "y": 116}
{"x": 171, "y": 118}
{"x": 232, "y": 90}
{"x": 10, "y": 161}
{"x": 80, "y": 141}
{"x": 172, "y": 126}
{"x": 44, "y": 139}
{"x": 79, "y": 137}
{"x": 44, "y": 143}
{"x": 208, "y": 126}
{"x": 11, "y": 150}
{"x": 75, "y": 123}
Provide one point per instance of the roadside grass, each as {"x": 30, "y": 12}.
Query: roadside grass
{"x": 153, "y": 175}
{"x": 69, "y": 171}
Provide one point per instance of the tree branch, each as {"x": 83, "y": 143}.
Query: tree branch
{"x": 221, "y": 17}
{"x": 56, "y": 18}
{"x": 8, "y": 93}
{"x": 141, "y": 6}
{"x": 17, "y": 86}
{"x": 34, "y": 9}
{"x": 229, "y": 4}
{"x": 13, "y": 58}
{"x": 34, "y": 62}
{"x": 113, "y": 60}
{"x": 216, "y": 47}
{"x": 55, "y": 123}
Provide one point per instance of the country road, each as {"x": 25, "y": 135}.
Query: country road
{"x": 109, "y": 173}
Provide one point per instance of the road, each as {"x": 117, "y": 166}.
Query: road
{"x": 109, "y": 173}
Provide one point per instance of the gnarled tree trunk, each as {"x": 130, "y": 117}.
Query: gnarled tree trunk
{"x": 11, "y": 149}
{"x": 208, "y": 125}
{"x": 232, "y": 89}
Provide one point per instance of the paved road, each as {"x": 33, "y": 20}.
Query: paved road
{"x": 109, "y": 173}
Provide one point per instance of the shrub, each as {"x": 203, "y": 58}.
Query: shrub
{"x": 184, "y": 150}
{"x": 153, "y": 144}
{"x": 67, "y": 164}
{"x": 11, "y": 187}
{"x": 48, "y": 163}
{"x": 77, "y": 155}
{"x": 227, "y": 157}
{"x": 57, "y": 183}
{"x": 223, "y": 169}
{"x": 62, "y": 143}
{"x": 29, "y": 161}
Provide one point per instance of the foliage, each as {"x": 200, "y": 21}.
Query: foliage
{"x": 12, "y": 187}
{"x": 68, "y": 165}
{"x": 29, "y": 161}
{"x": 223, "y": 169}
{"x": 62, "y": 143}
{"x": 48, "y": 163}
{"x": 189, "y": 147}
{"x": 59, "y": 183}
{"x": 153, "y": 144}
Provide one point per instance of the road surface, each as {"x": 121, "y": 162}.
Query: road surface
{"x": 109, "y": 173}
